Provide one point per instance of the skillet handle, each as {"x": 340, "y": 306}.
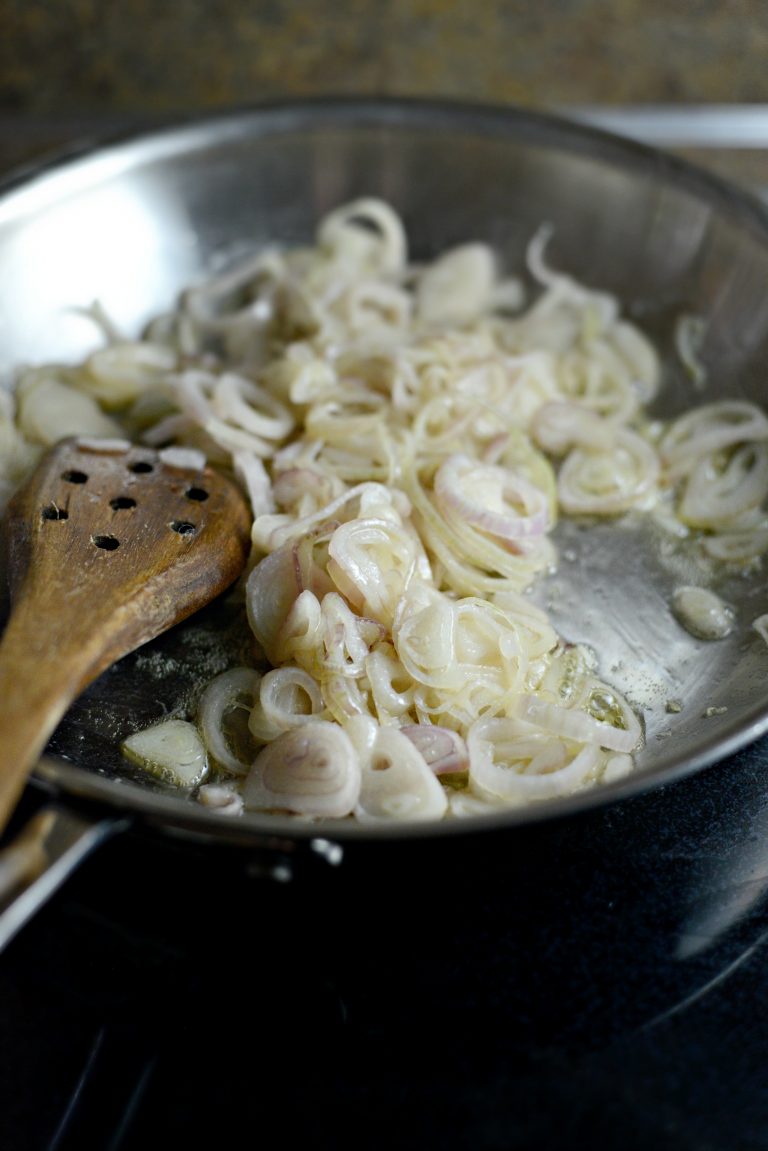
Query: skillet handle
{"x": 41, "y": 857}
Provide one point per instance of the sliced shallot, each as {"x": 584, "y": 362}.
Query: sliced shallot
{"x": 557, "y": 427}
{"x": 396, "y": 782}
{"x": 224, "y": 800}
{"x": 511, "y": 759}
{"x": 575, "y": 724}
{"x": 443, "y": 750}
{"x": 288, "y": 698}
{"x": 270, "y": 591}
{"x": 608, "y": 482}
{"x": 710, "y": 428}
{"x": 491, "y": 498}
{"x": 371, "y": 562}
{"x": 714, "y": 496}
{"x": 230, "y": 693}
{"x": 312, "y": 770}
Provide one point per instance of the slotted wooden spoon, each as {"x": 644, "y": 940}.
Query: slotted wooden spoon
{"x": 108, "y": 545}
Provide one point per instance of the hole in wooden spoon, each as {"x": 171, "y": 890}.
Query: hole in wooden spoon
{"x": 52, "y": 512}
{"x": 75, "y": 477}
{"x": 106, "y": 543}
{"x": 199, "y": 495}
{"x": 183, "y": 527}
{"x": 121, "y": 503}
{"x": 140, "y": 466}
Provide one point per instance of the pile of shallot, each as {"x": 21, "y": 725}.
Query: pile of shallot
{"x": 408, "y": 435}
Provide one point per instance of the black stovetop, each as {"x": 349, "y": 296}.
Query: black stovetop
{"x": 158, "y": 995}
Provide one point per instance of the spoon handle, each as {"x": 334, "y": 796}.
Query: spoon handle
{"x": 37, "y": 683}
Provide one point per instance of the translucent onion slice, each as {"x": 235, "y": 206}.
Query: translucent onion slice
{"x": 172, "y": 751}
{"x": 288, "y": 698}
{"x": 515, "y": 761}
{"x": 567, "y": 676}
{"x": 579, "y": 726}
{"x": 365, "y": 232}
{"x": 715, "y": 496}
{"x": 372, "y": 562}
{"x": 345, "y": 698}
{"x": 234, "y": 439}
{"x": 183, "y": 458}
{"x": 641, "y": 357}
{"x": 251, "y": 472}
{"x": 235, "y": 293}
{"x": 710, "y": 428}
{"x": 226, "y": 698}
{"x": 608, "y": 482}
{"x": 345, "y": 419}
{"x": 535, "y": 257}
{"x": 221, "y": 799}
{"x": 300, "y": 374}
{"x": 595, "y": 377}
{"x": 491, "y": 498}
{"x": 372, "y": 309}
{"x": 472, "y": 562}
{"x": 557, "y": 427}
{"x": 467, "y": 804}
{"x": 193, "y": 391}
{"x": 617, "y": 767}
{"x": 117, "y": 374}
{"x": 250, "y": 406}
{"x": 443, "y": 750}
{"x": 347, "y": 638}
{"x": 270, "y": 591}
{"x": 530, "y": 622}
{"x": 391, "y": 686}
{"x": 512, "y": 449}
{"x": 532, "y": 381}
{"x": 396, "y": 782}
{"x": 299, "y": 640}
{"x": 737, "y": 547}
{"x": 363, "y": 501}
{"x": 168, "y": 429}
{"x": 49, "y": 410}
{"x": 424, "y": 638}
{"x": 302, "y": 490}
{"x": 312, "y": 770}
{"x": 487, "y": 643}
{"x": 479, "y": 695}
{"x": 446, "y": 644}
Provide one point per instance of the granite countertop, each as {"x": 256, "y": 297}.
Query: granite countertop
{"x": 69, "y": 56}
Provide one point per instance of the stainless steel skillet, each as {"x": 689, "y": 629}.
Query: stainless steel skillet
{"x": 132, "y": 223}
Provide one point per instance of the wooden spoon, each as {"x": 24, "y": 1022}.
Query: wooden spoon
{"x": 108, "y": 545}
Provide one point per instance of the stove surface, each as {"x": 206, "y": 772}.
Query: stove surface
{"x": 159, "y": 994}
